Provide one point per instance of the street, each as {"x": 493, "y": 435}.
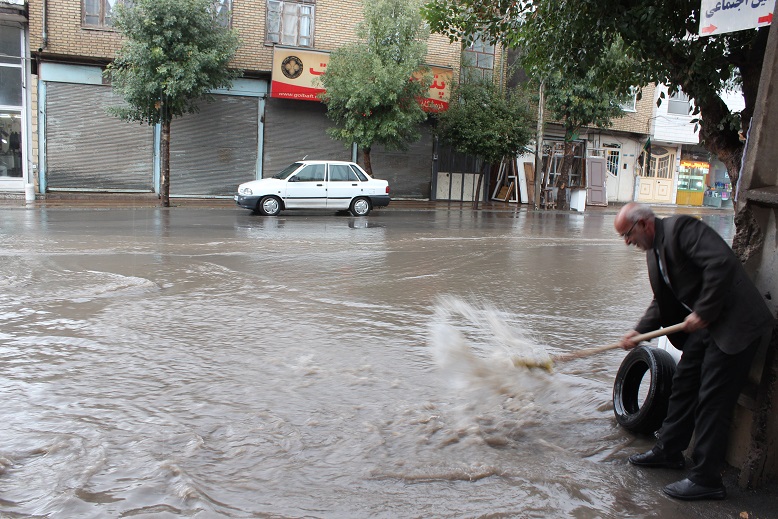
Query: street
{"x": 207, "y": 362}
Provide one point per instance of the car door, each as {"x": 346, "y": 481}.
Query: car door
{"x": 306, "y": 189}
{"x": 342, "y": 186}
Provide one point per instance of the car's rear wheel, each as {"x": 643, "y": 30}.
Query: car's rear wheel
{"x": 269, "y": 206}
{"x": 360, "y": 206}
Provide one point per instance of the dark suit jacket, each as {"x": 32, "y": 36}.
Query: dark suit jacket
{"x": 706, "y": 277}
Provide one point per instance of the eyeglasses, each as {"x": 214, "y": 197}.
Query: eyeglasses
{"x": 625, "y": 235}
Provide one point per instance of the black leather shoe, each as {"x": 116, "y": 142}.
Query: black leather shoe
{"x": 653, "y": 459}
{"x": 688, "y": 490}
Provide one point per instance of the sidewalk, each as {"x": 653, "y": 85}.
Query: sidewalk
{"x": 138, "y": 201}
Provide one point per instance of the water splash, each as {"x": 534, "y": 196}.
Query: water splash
{"x": 474, "y": 341}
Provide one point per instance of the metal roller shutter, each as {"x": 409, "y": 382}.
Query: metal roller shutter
{"x": 214, "y": 150}
{"x": 409, "y": 172}
{"x": 86, "y": 148}
{"x": 294, "y": 129}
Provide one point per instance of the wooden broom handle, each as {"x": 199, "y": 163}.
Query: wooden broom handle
{"x": 637, "y": 338}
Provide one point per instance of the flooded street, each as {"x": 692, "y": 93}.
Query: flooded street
{"x": 200, "y": 362}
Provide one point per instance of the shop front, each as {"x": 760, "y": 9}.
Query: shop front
{"x": 692, "y": 176}
{"x": 296, "y": 124}
{"x": 84, "y": 148}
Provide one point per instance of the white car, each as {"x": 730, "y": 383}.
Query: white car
{"x": 315, "y": 184}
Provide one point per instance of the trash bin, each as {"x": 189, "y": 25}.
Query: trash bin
{"x": 578, "y": 199}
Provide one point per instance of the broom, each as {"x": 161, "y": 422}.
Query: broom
{"x": 548, "y": 364}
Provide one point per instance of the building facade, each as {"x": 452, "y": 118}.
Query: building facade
{"x": 246, "y": 133}
{"x": 676, "y": 169}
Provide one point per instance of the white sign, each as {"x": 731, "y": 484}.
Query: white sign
{"x": 720, "y": 16}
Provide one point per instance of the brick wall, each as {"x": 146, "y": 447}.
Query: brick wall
{"x": 335, "y": 24}
{"x": 66, "y": 34}
{"x": 638, "y": 121}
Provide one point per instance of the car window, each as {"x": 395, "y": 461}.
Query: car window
{"x": 311, "y": 173}
{"x": 341, "y": 173}
{"x": 361, "y": 176}
{"x": 291, "y": 168}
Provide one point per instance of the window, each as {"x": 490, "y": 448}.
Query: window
{"x": 99, "y": 12}
{"x": 11, "y": 100}
{"x": 612, "y": 156}
{"x": 678, "y": 104}
{"x": 630, "y": 104}
{"x": 342, "y": 173}
{"x": 311, "y": 173}
{"x": 222, "y": 11}
{"x": 361, "y": 176}
{"x": 663, "y": 167}
{"x": 660, "y": 163}
{"x": 478, "y": 60}
{"x": 11, "y": 66}
{"x": 290, "y": 22}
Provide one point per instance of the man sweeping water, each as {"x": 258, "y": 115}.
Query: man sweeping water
{"x": 698, "y": 280}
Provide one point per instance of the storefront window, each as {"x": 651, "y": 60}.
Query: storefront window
{"x": 10, "y": 144}
{"x": 10, "y": 86}
{"x": 10, "y": 101}
{"x": 692, "y": 175}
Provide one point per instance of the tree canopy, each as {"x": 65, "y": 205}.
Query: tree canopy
{"x": 659, "y": 38}
{"x": 486, "y": 121}
{"x": 174, "y": 52}
{"x": 579, "y": 102}
{"x": 368, "y": 89}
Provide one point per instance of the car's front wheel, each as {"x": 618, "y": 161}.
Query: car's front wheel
{"x": 360, "y": 206}
{"x": 269, "y": 206}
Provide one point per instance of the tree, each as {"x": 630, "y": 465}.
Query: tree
{"x": 173, "y": 54}
{"x": 488, "y": 122}
{"x": 577, "y": 103}
{"x": 368, "y": 88}
{"x": 659, "y": 37}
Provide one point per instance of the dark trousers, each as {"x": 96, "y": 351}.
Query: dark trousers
{"x": 706, "y": 386}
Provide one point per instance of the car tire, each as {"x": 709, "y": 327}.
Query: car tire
{"x": 269, "y": 206}
{"x": 360, "y": 206}
{"x": 630, "y": 414}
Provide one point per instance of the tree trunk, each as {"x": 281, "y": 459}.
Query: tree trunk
{"x": 476, "y": 197}
{"x": 366, "y": 160}
{"x": 164, "y": 167}
{"x": 563, "y": 180}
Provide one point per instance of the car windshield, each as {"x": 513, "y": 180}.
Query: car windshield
{"x": 291, "y": 168}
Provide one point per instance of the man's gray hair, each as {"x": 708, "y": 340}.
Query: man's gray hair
{"x": 640, "y": 212}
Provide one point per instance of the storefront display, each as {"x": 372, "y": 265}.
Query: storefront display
{"x": 691, "y": 182}
{"x": 719, "y": 187}
{"x": 10, "y": 144}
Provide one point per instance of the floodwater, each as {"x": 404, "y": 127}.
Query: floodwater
{"x": 200, "y": 362}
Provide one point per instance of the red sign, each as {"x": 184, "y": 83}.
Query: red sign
{"x": 439, "y": 91}
{"x": 295, "y": 72}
